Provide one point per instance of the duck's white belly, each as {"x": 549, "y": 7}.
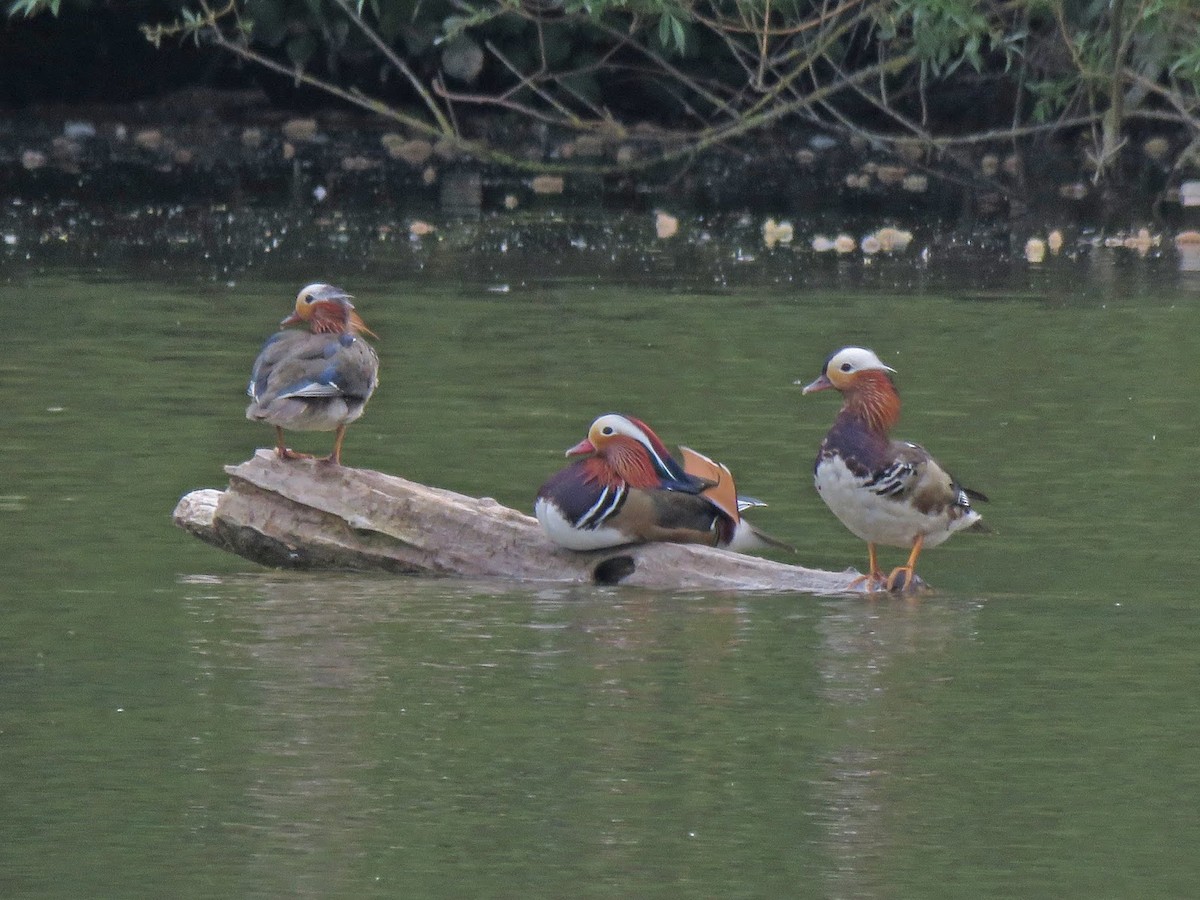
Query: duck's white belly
{"x": 563, "y": 533}
{"x": 878, "y": 519}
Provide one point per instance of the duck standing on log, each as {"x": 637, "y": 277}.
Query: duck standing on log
{"x": 314, "y": 379}
{"x": 885, "y": 491}
{"x": 627, "y": 488}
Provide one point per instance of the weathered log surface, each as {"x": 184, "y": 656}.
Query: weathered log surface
{"x": 310, "y": 515}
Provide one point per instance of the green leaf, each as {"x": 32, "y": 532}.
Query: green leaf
{"x": 30, "y": 8}
{"x": 671, "y": 34}
{"x": 270, "y": 26}
{"x": 300, "y": 49}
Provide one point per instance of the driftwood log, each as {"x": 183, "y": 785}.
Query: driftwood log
{"x": 310, "y": 515}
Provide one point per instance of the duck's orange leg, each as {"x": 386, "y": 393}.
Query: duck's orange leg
{"x": 281, "y": 447}
{"x": 336, "y": 456}
{"x": 908, "y": 568}
{"x": 874, "y": 579}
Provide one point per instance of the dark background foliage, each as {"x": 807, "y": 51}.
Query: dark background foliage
{"x": 943, "y": 74}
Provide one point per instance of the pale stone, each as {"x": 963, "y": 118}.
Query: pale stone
{"x": 415, "y": 152}
{"x": 358, "y": 164}
{"x": 777, "y": 232}
{"x": 665, "y": 225}
{"x": 1157, "y": 148}
{"x": 79, "y": 131}
{"x": 589, "y": 145}
{"x": 547, "y": 184}
{"x": 891, "y": 175}
{"x": 893, "y": 240}
{"x": 149, "y": 139}
{"x": 300, "y": 130}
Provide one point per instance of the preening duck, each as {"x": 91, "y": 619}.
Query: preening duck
{"x": 318, "y": 379}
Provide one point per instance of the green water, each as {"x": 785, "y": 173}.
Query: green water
{"x": 177, "y": 722}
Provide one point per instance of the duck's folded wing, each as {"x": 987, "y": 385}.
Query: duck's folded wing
{"x": 287, "y": 360}
{"x": 357, "y": 367}
{"x": 715, "y": 482}
{"x": 895, "y": 479}
{"x": 917, "y": 477}
{"x": 311, "y": 390}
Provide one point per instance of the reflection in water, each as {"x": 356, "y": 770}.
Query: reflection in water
{"x": 461, "y": 193}
{"x": 863, "y": 643}
{"x": 313, "y": 678}
{"x": 425, "y": 724}
{"x": 395, "y": 728}
{"x": 1189, "y": 259}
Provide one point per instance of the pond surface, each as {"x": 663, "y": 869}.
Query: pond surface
{"x": 177, "y": 722}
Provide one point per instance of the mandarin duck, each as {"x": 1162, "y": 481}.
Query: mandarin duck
{"x": 885, "y": 491}
{"x": 627, "y": 488}
{"x": 317, "y": 379}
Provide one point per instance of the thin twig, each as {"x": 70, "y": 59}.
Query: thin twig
{"x": 445, "y": 125}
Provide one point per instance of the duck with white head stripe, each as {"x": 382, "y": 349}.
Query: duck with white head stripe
{"x": 626, "y": 487}
{"x": 885, "y": 491}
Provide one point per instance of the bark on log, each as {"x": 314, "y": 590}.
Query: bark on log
{"x": 310, "y": 515}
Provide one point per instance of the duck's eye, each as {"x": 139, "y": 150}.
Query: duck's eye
{"x": 846, "y": 367}
{"x": 607, "y": 429}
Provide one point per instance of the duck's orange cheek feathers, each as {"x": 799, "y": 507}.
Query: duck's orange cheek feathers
{"x": 631, "y": 461}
